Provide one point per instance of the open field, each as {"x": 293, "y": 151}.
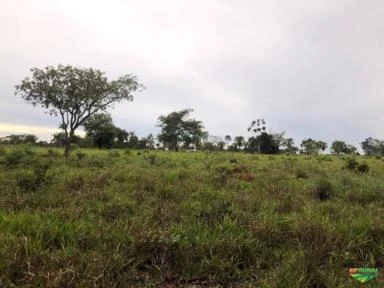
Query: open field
{"x": 164, "y": 219}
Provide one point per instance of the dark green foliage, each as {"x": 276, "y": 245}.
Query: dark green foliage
{"x": 264, "y": 143}
{"x": 301, "y": 174}
{"x": 80, "y": 155}
{"x": 353, "y": 165}
{"x": 324, "y": 190}
{"x": 340, "y": 147}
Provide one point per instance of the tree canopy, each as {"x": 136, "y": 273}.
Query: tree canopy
{"x": 74, "y": 93}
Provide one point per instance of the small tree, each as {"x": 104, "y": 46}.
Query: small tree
{"x": 74, "y": 94}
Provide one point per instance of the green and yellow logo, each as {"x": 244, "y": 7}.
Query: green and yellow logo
{"x": 364, "y": 274}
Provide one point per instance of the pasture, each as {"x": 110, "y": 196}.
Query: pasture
{"x": 116, "y": 218}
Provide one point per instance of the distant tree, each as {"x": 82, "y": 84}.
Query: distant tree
{"x": 228, "y": 140}
{"x": 59, "y": 139}
{"x": 121, "y": 137}
{"x": 310, "y": 146}
{"x": 133, "y": 141}
{"x": 239, "y": 142}
{"x": 288, "y": 145}
{"x": 213, "y": 143}
{"x": 264, "y": 143}
{"x": 373, "y": 147}
{"x": 339, "y": 147}
{"x": 74, "y": 94}
{"x": 20, "y": 139}
{"x": 143, "y": 143}
{"x": 150, "y": 141}
{"x": 351, "y": 149}
{"x": 176, "y": 130}
{"x": 221, "y": 145}
{"x": 100, "y": 127}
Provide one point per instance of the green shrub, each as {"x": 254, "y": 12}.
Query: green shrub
{"x": 355, "y": 166}
{"x": 80, "y": 155}
{"x": 52, "y": 152}
{"x": 14, "y": 157}
{"x": 26, "y": 180}
{"x": 351, "y": 164}
{"x": 323, "y": 190}
{"x": 363, "y": 168}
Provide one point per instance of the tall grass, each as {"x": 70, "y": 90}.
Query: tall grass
{"x": 161, "y": 219}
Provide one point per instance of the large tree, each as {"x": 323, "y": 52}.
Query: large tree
{"x": 74, "y": 94}
{"x": 177, "y": 129}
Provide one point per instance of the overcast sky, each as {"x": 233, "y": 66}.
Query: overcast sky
{"x": 312, "y": 68}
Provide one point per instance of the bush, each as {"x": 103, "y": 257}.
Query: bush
{"x": 14, "y": 158}
{"x": 80, "y": 155}
{"x": 323, "y": 190}
{"x": 353, "y": 165}
{"x": 52, "y": 152}
{"x": 363, "y": 168}
{"x": 301, "y": 174}
{"x": 26, "y": 180}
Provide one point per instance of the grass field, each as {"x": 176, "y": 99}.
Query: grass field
{"x": 162, "y": 219}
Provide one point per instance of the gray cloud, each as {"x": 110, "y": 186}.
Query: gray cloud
{"x": 311, "y": 68}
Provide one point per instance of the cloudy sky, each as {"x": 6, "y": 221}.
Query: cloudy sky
{"x": 312, "y": 68}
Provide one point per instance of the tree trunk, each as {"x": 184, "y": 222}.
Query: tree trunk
{"x": 67, "y": 148}
{"x": 68, "y": 141}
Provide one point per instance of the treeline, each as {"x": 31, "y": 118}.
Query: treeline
{"x": 179, "y": 132}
